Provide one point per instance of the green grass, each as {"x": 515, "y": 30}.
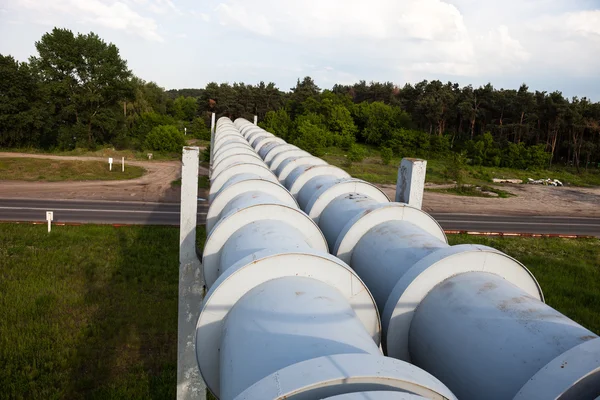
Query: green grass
{"x": 568, "y": 270}
{"x": 88, "y": 312}
{"x": 373, "y": 170}
{"x": 468, "y": 190}
{"x": 38, "y": 169}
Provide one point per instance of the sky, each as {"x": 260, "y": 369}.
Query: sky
{"x": 547, "y": 44}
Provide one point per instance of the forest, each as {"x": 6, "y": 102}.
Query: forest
{"x": 77, "y": 92}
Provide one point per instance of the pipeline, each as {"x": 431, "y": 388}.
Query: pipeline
{"x": 283, "y": 318}
{"x": 470, "y": 315}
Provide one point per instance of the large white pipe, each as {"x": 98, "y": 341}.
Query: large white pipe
{"x": 280, "y": 305}
{"x": 464, "y": 313}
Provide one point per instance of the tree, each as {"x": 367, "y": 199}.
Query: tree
{"x": 185, "y": 108}
{"x": 20, "y": 101}
{"x": 87, "y": 79}
{"x": 165, "y": 138}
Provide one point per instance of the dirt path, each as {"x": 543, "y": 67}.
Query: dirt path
{"x": 155, "y": 185}
{"x": 529, "y": 200}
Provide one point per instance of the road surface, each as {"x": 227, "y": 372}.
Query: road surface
{"x": 138, "y": 213}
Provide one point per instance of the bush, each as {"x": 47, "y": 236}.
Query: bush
{"x": 197, "y": 129}
{"x": 386, "y": 155}
{"x": 356, "y": 154}
{"x": 165, "y": 138}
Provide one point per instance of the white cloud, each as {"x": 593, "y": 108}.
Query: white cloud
{"x": 411, "y": 35}
{"x": 110, "y": 14}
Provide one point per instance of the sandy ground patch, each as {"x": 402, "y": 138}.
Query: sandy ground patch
{"x": 529, "y": 200}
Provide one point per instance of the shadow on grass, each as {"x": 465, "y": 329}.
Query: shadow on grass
{"x": 128, "y": 348}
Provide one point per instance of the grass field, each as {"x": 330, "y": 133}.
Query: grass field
{"x": 373, "y": 170}
{"x": 90, "y": 312}
{"x": 38, "y": 169}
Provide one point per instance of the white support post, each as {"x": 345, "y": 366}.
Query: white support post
{"x": 49, "y": 217}
{"x": 190, "y": 385}
{"x": 110, "y": 163}
{"x": 256, "y": 120}
{"x": 122, "y": 164}
{"x": 212, "y": 144}
{"x": 411, "y": 182}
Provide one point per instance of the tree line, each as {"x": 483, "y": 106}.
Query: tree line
{"x": 78, "y": 92}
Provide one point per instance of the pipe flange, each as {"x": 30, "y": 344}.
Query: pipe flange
{"x": 257, "y": 134}
{"x": 264, "y": 150}
{"x": 304, "y": 173}
{"x": 263, "y": 141}
{"x": 226, "y": 195}
{"x": 228, "y": 136}
{"x": 276, "y": 150}
{"x": 288, "y": 165}
{"x": 258, "y": 137}
{"x": 217, "y": 182}
{"x": 358, "y": 226}
{"x": 250, "y": 128}
{"x": 224, "y": 163}
{"x": 432, "y": 270}
{"x": 275, "y": 161}
{"x": 327, "y": 193}
{"x": 346, "y": 373}
{"x": 575, "y": 374}
{"x": 231, "y": 143}
{"x": 254, "y": 270}
{"x": 229, "y": 146}
{"x": 227, "y": 226}
{"x": 230, "y": 151}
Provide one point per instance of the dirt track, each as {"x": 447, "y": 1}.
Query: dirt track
{"x": 155, "y": 185}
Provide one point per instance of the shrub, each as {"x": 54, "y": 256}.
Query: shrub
{"x": 165, "y": 138}
{"x": 386, "y": 155}
{"x": 356, "y": 154}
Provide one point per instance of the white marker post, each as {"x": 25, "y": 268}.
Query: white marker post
{"x": 185, "y": 131}
{"x": 49, "y": 218}
{"x": 256, "y": 120}
{"x": 122, "y": 164}
{"x": 110, "y": 161}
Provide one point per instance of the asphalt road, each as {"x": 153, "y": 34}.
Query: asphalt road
{"x": 138, "y": 213}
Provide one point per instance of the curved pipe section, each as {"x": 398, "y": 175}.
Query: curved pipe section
{"x": 470, "y": 315}
{"x": 279, "y": 305}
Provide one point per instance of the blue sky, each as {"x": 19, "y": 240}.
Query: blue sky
{"x": 548, "y": 44}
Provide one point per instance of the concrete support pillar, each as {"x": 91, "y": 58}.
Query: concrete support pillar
{"x": 212, "y": 143}
{"x": 411, "y": 182}
{"x": 190, "y": 385}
